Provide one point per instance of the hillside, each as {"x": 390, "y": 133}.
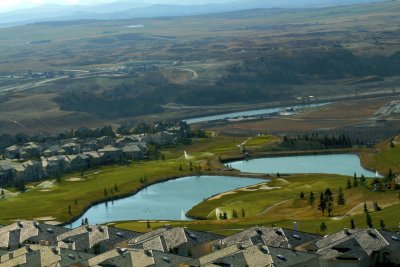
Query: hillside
{"x": 57, "y": 75}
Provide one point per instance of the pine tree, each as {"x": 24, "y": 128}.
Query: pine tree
{"x": 365, "y": 208}
{"x": 352, "y": 224}
{"x": 148, "y": 224}
{"x": 105, "y": 192}
{"x": 382, "y": 224}
{"x": 180, "y": 167}
{"x": 311, "y": 198}
{"x": 355, "y": 181}
{"x": 301, "y": 195}
{"x": 369, "y": 221}
{"x": 348, "y": 183}
{"x": 323, "y": 227}
{"x": 69, "y": 209}
{"x": 341, "y": 200}
{"x": 328, "y": 201}
{"x": 322, "y": 204}
{"x": 362, "y": 179}
{"x": 243, "y": 214}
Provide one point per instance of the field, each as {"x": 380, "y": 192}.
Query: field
{"x": 193, "y": 65}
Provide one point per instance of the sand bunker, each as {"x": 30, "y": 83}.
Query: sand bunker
{"x": 221, "y": 195}
{"x": 74, "y": 179}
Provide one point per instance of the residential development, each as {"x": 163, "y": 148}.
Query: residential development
{"x": 30, "y": 243}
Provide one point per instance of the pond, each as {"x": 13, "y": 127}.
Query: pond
{"x": 344, "y": 164}
{"x": 256, "y": 112}
{"x": 168, "y": 200}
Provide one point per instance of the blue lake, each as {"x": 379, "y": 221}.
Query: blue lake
{"x": 169, "y": 200}
{"x": 344, "y": 164}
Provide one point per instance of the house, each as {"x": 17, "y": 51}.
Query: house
{"x": 177, "y": 239}
{"x": 110, "y": 154}
{"x": 31, "y": 150}
{"x": 256, "y": 255}
{"x": 132, "y": 152}
{"x": 53, "y": 150}
{"x": 105, "y": 141}
{"x": 94, "y": 158}
{"x": 55, "y": 165}
{"x": 353, "y": 247}
{"x": 12, "y": 152}
{"x": 71, "y": 148}
{"x": 136, "y": 257}
{"x": 79, "y": 162}
{"x": 33, "y": 171}
{"x": 7, "y": 172}
{"x": 85, "y": 238}
{"x": 270, "y": 236}
{"x": 160, "y": 138}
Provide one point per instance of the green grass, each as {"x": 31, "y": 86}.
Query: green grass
{"x": 53, "y": 202}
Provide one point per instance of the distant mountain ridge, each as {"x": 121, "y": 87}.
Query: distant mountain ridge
{"x": 128, "y": 10}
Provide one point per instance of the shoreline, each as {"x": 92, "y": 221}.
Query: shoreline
{"x": 233, "y": 173}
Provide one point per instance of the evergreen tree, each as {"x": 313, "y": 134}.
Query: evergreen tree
{"x": 69, "y": 209}
{"x": 328, "y": 201}
{"x": 243, "y": 214}
{"x": 323, "y": 227}
{"x": 341, "y": 200}
{"x": 365, "y": 208}
{"x": 311, "y": 198}
{"x": 348, "y": 183}
{"x": 86, "y": 221}
{"x": 180, "y": 167}
{"x": 2, "y": 193}
{"x": 301, "y": 195}
{"x": 369, "y": 221}
{"x": 322, "y": 204}
{"x": 355, "y": 180}
{"x": 382, "y": 224}
{"x": 115, "y": 187}
{"x": 148, "y": 224}
{"x": 376, "y": 206}
{"x": 362, "y": 179}
{"x": 105, "y": 192}
{"x": 352, "y": 224}
{"x": 389, "y": 176}
{"x": 225, "y": 216}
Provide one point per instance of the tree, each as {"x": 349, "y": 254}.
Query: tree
{"x": 341, "y": 200}
{"x": 382, "y": 224}
{"x": 376, "y": 207}
{"x": 148, "y": 224}
{"x": 365, "y": 208}
{"x": 355, "y": 180}
{"x": 115, "y": 187}
{"x": 390, "y": 176}
{"x": 311, "y": 198}
{"x": 301, "y": 195}
{"x": 322, "y": 204}
{"x": 69, "y": 209}
{"x": 190, "y": 165}
{"x": 328, "y": 201}
{"x": 180, "y": 167}
{"x": 234, "y": 214}
{"x": 225, "y": 216}
{"x": 323, "y": 227}
{"x": 362, "y": 179}
{"x": 348, "y": 183}
{"x": 352, "y": 224}
{"x": 2, "y": 193}
{"x": 243, "y": 214}
{"x": 86, "y": 221}
{"x": 369, "y": 221}
{"x": 105, "y": 192}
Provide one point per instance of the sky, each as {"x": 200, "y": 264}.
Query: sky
{"x": 6, "y": 5}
